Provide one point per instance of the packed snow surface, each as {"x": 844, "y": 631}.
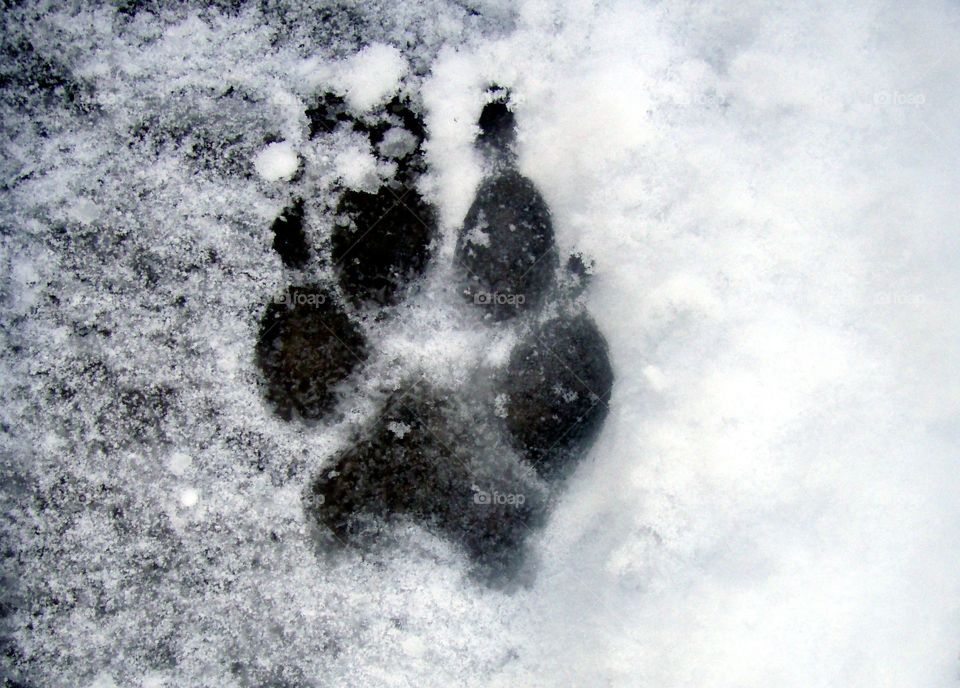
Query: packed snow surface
{"x": 769, "y": 192}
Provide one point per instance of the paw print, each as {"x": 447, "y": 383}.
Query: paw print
{"x": 475, "y": 461}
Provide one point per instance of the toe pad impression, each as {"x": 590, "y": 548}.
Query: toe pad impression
{"x": 289, "y": 238}
{"x": 307, "y": 345}
{"x": 558, "y": 385}
{"x": 505, "y": 250}
{"x": 381, "y": 243}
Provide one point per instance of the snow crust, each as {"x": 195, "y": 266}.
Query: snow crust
{"x": 770, "y": 195}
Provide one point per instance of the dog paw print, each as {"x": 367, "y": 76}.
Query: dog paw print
{"x": 477, "y": 460}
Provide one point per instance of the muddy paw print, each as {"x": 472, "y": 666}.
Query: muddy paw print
{"x": 474, "y": 460}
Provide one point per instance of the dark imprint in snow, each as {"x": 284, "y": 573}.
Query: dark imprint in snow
{"x": 476, "y": 465}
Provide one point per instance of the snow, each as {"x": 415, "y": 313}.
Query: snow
{"x": 371, "y": 76}
{"x": 769, "y": 193}
{"x": 189, "y": 497}
{"x": 398, "y": 429}
{"x": 277, "y": 161}
{"x": 179, "y": 463}
{"x": 397, "y": 142}
{"x": 357, "y": 167}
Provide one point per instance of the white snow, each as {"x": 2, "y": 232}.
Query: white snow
{"x": 357, "y": 167}
{"x": 189, "y": 497}
{"x": 179, "y": 463}
{"x": 103, "y": 681}
{"x": 769, "y": 192}
{"x": 397, "y": 142}
{"x": 277, "y": 161}
{"x": 398, "y": 429}
{"x": 371, "y": 75}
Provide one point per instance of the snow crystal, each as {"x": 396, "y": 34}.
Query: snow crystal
{"x": 477, "y": 235}
{"x": 189, "y": 497}
{"x": 500, "y": 405}
{"x": 103, "y": 681}
{"x": 277, "y": 161}
{"x": 370, "y": 76}
{"x": 357, "y": 167}
{"x": 398, "y": 429}
{"x": 179, "y": 462}
{"x": 397, "y": 143}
